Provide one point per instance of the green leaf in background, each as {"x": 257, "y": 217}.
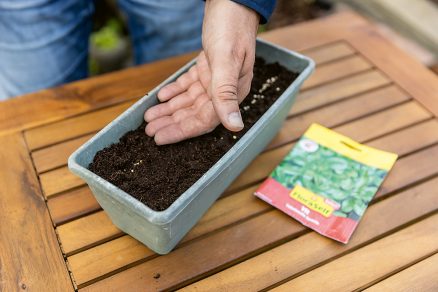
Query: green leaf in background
{"x": 108, "y": 37}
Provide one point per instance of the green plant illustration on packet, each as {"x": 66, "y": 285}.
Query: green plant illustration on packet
{"x": 327, "y": 173}
{"x": 327, "y": 181}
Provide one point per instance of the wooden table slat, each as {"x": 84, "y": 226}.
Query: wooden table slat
{"x": 372, "y": 262}
{"x": 330, "y": 52}
{"x": 72, "y": 204}
{"x": 392, "y": 119}
{"x": 55, "y": 156}
{"x": 338, "y": 90}
{"x": 30, "y": 258}
{"x": 289, "y": 259}
{"x": 73, "y": 127}
{"x": 59, "y": 180}
{"x": 419, "y": 277}
{"x": 342, "y": 68}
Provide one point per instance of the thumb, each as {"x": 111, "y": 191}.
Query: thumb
{"x": 225, "y": 73}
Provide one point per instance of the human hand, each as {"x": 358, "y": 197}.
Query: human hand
{"x": 210, "y": 92}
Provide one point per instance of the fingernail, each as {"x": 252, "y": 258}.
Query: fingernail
{"x": 235, "y": 120}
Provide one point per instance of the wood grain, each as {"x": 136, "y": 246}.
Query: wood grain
{"x": 30, "y": 258}
{"x": 72, "y": 204}
{"x": 81, "y": 233}
{"x": 55, "y": 156}
{"x": 338, "y": 90}
{"x": 374, "y": 125}
{"x": 419, "y": 277}
{"x": 400, "y": 67}
{"x": 73, "y": 127}
{"x": 308, "y": 251}
{"x": 373, "y": 261}
{"x": 405, "y": 170}
{"x": 59, "y": 180}
{"x": 329, "y": 52}
{"x": 336, "y": 70}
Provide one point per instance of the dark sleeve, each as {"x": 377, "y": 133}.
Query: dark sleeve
{"x": 263, "y": 7}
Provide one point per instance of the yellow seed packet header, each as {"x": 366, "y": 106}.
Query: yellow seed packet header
{"x": 350, "y": 148}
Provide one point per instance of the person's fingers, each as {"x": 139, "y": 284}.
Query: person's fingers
{"x": 185, "y": 113}
{"x": 180, "y": 115}
{"x": 194, "y": 125}
{"x": 179, "y": 86}
{"x": 244, "y": 86}
{"x": 204, "y": 72}
{"x": 152, "y": 127}
{"x": 225, "y": 71}
{"x": 183, "y": 100}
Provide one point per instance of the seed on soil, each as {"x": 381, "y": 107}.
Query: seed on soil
{"x": 246, "y": 107}
{"x": 253, "y": 101}
{"x": 234, "y": 137}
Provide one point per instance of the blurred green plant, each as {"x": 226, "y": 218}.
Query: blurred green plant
{"x": 108, "y": 37}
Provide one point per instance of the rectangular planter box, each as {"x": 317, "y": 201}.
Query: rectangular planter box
{"x": 161, "y": 231}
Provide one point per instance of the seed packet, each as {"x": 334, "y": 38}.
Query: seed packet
{"x": 327, "y": 181}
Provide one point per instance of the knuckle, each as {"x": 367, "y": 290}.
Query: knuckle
{"x": 226, "y": 91}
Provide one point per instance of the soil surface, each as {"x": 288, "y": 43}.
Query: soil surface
{"x": 158, "y": 175}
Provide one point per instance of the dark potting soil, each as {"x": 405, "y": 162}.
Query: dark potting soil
{"x": 158, "y": 175}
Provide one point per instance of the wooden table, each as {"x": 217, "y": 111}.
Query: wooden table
{"x": 55, "y": 237}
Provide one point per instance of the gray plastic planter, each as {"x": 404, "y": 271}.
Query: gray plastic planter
{"x": 161, "y": 231}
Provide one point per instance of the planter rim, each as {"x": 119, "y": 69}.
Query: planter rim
{"x": 167, "y": 215}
